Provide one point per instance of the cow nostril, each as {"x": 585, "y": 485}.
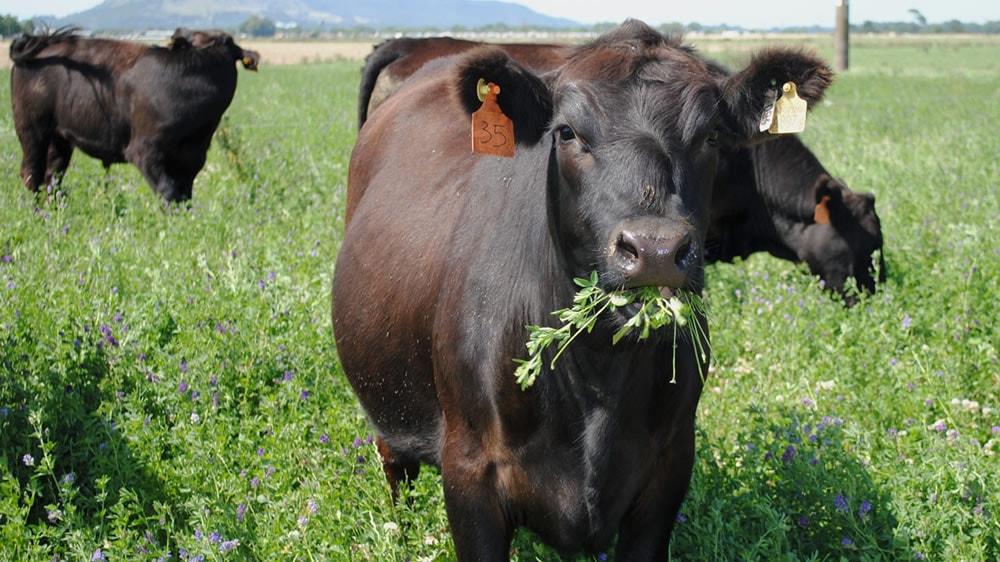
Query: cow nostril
{"x": 684, "y": 253}
{"x": 626, "y": 249}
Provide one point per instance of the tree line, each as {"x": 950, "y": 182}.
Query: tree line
{"x": 259, "y": 26}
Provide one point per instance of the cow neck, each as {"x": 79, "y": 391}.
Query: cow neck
{"x": 785, "y": 172}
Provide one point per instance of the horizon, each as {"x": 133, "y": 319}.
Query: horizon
{"x": 734, "y": 13}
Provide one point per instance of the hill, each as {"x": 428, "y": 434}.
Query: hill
{"x": 309, "y": 14}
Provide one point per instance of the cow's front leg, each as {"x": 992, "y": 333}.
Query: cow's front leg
{"x": 645, "y": 533}
{"x": 478, "y": 526}
{"x": 149, "y": 158}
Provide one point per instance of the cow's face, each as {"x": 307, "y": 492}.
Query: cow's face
{"x": 845, "y": 239}
{"x": 634, "y": 154}
{"x": 634, "y": 122}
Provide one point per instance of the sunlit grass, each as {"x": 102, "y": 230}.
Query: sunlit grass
{"x": 169, "y": 386}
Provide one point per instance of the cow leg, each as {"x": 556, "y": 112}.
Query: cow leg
{"x": 33, "y": 161}
{"x": 60, "y": 152}
{"x": 478, "y": 526}
{"x": 645, "y": 533}
{"x": 399, "y": 469}
{"x": 150, "y": 160}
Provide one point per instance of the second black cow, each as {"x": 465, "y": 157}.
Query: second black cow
{"x": 118, "y": 101}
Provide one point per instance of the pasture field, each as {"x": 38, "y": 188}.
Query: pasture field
{"x": 169, "y": 387}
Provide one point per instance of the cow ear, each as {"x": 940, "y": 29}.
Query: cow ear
{"x": 524, "y": 97}
{"x": 828, "y": 194}
{"x": 748, "y": 94}
{"x": 181, "y": 39}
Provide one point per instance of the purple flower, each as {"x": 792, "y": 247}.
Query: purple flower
{"x": 214, "y": 537}
{"x": 788, "y": 455}
{"x": 803, "y": 521}
{"x": 846, "y": 542}
{"x": 906, "y": 322}
{"x": 919, "y": 556}
{"x": 866, "y": 506}
{"x": 7, "y": 258}
{"x": 184, "y": 365}
{"x": 241, "y": 511}
{"x": 358, "y": 442}
{"x": 229, "y": 545}
{"x": 260, "y": 451}
{"x": 840, "y": 503}
{"x": 254, "y": 482}
{"x": 304, "y": 394}
{"x": 288, "y": 376}
{"x": 808, "y": 402}
{"x": 28, "y": 460}
{"x": 324, "y": 438}
{"x": 996, "y": 429}
{"x": 97, "y": 556}
{"x": 312, "y": 505}
{"x": 182, "y": 388}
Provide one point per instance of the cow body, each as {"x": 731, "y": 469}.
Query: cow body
{"x": 449, "y": 255}
{"x": 764, "y": 198}
{"x": 155, "y": 107}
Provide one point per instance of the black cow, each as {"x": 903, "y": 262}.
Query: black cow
{"x": 156, "y": 107}
{"x": 777, "y": 197}
{"x": 764, "y": 198}
{"x": 448, "y": 255}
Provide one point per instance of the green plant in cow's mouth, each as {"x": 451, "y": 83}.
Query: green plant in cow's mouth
{"x": 653, "y": 312}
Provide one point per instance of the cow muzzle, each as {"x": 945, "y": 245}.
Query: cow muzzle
{"x": 648, "y": 253}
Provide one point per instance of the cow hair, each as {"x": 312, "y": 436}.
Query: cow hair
{"x": 524, "y": 97}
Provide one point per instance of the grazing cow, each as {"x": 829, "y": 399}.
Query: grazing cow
{"x": 764, "y": 195}
{"x": 777, "y": 197}
{"x": 156, "y": 107}
{"x": 448, "y": 255}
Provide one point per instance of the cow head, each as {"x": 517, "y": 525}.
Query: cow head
{"x": 844, "y": 238}
{"x": 634, "y": 122}
{"x": 184, "y": 38}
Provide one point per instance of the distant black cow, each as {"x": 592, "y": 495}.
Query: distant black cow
{"x": 765, "y": 196}
{"x": 156, "y": 107}
{"x": 448, "y": 255}
{"x": 777, "y": 197}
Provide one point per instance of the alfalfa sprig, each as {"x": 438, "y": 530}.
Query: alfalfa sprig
{"x": 655, "y": 311}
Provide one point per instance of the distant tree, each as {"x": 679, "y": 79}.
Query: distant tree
{"x": 257, "y": 26}
{"x": 918, "y": 16}
{"x": 10, "y": 26}
{"x": 672, "y": 28}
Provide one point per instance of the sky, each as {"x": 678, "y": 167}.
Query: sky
{"x": 763, "y": 14}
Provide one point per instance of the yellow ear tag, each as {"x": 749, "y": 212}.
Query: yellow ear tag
{"x": 789, "y": 112}
{"x": 492, "y": 131}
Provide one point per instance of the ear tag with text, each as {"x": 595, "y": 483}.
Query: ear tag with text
{"x": 492, "y": 131}
{"x": 822, "y": 213}
{"x": 767, "y": 117}
{"x": 789, "y": 112}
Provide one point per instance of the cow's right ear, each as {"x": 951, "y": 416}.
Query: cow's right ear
{"x": 523, "y": 97}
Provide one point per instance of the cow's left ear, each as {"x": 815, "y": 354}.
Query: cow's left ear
{"x": 180, "y": 39}
{"x": 524, "y": 97}
{"x": 750, "y": 93}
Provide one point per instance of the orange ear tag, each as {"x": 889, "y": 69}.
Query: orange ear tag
{"x": 822, "y": 213}
{"x": 492, "y": 131}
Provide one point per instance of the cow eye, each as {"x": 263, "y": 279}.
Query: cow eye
{"x": 713, "y": 137}
{"x": 566, "y": 133}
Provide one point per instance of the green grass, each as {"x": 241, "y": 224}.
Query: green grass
{"x": 172, "y": 379}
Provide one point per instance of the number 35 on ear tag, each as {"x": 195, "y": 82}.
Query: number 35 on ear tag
{"x": 492, "y": 131}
